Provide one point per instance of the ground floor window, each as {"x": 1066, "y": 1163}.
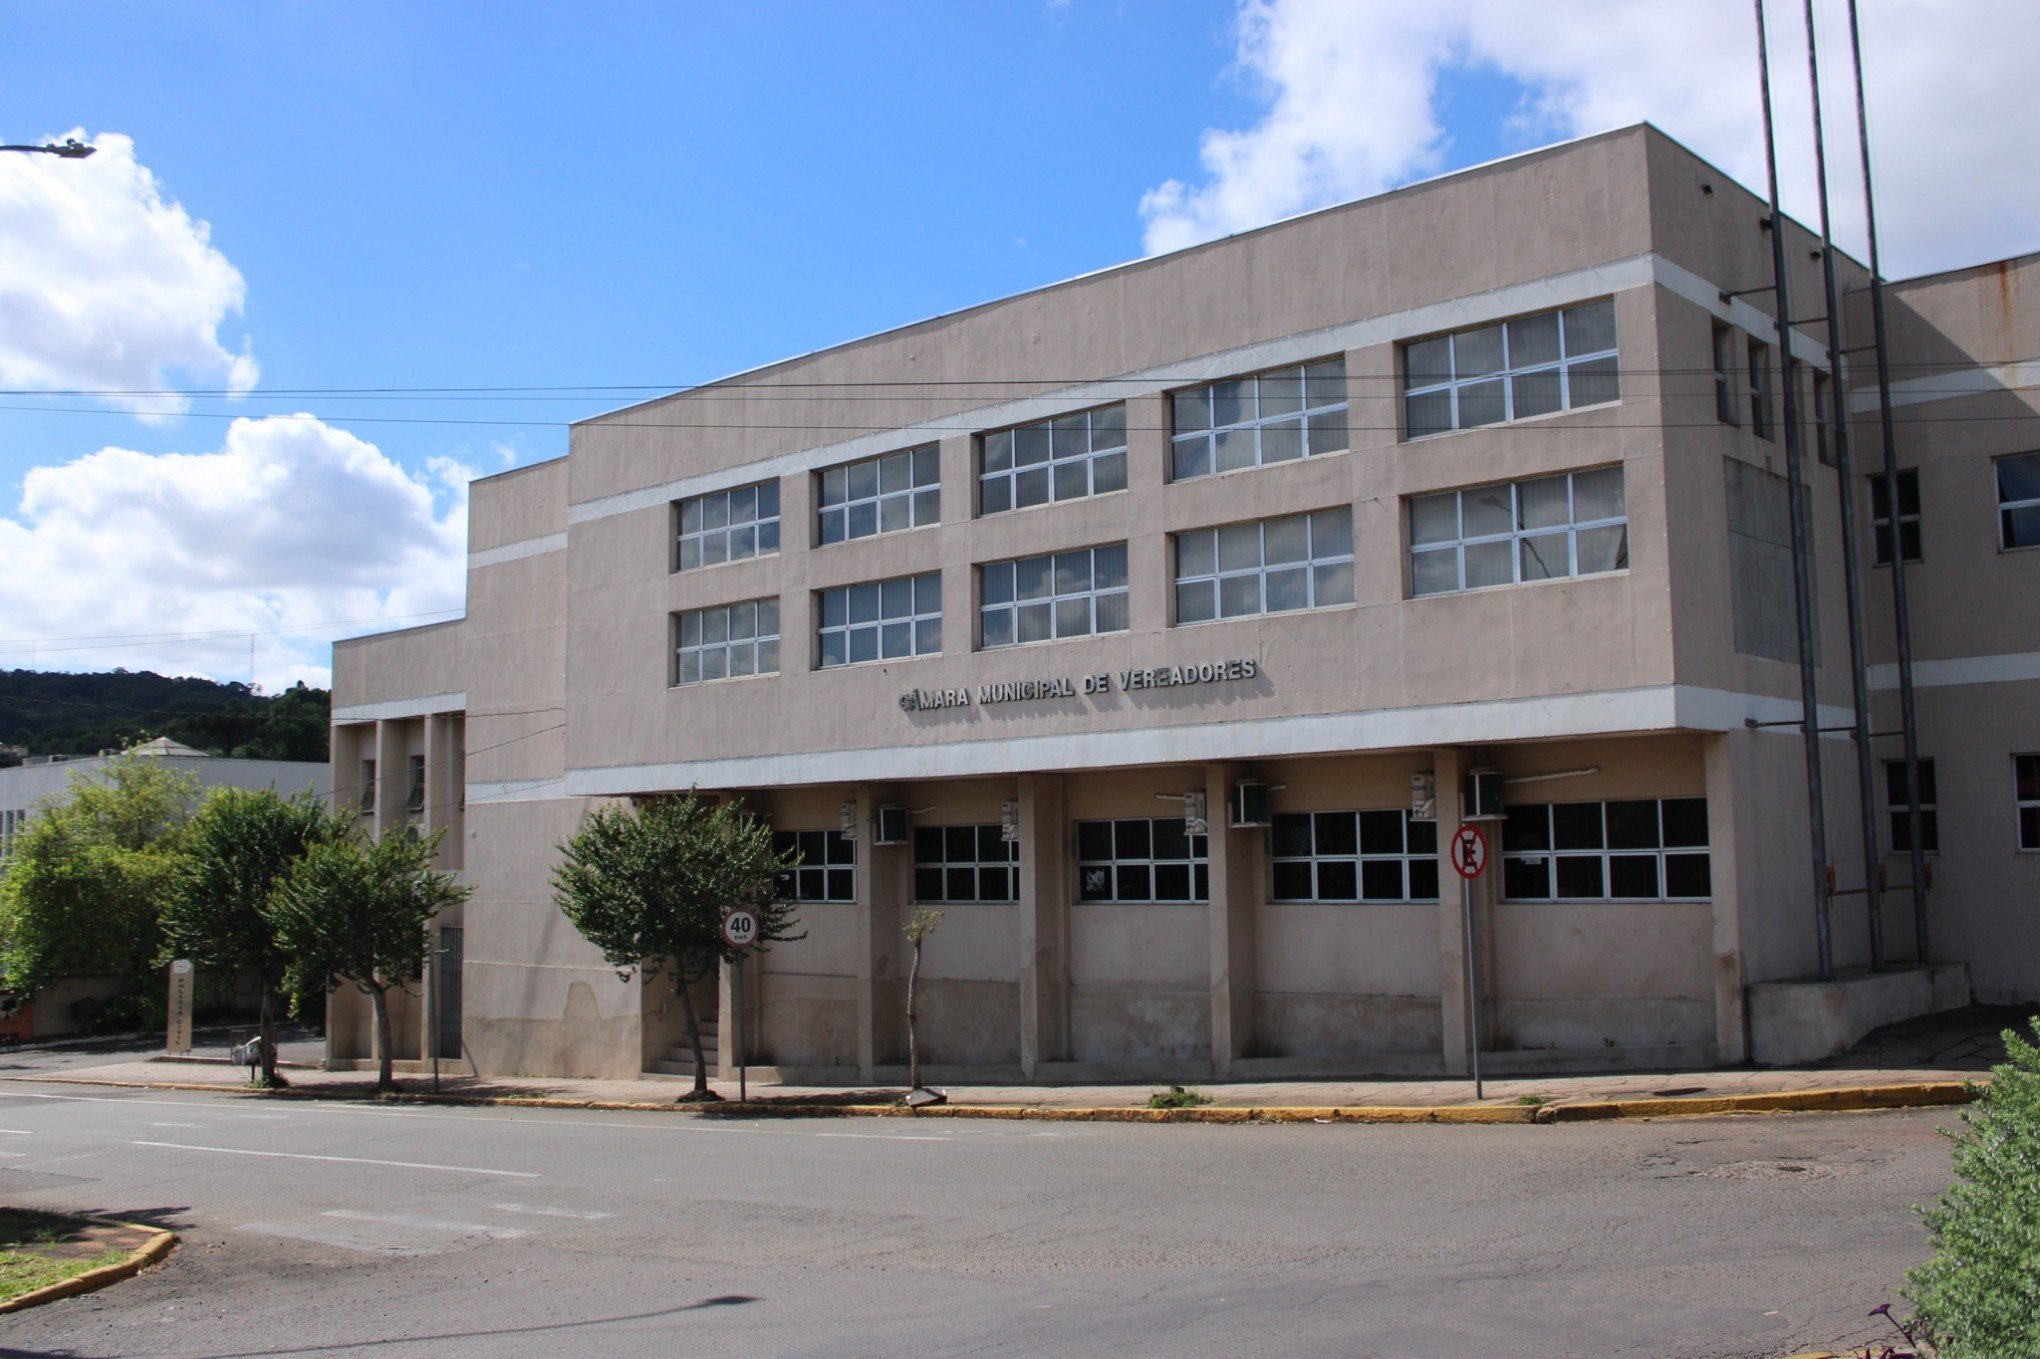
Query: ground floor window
{"x": 1646, "y": 849}
{"x": 828, "y": 866}
{"x": 965, "y": 864}
{"x": 1900, "y": 802}
{"x": 1142, "y": 859}
{"x": 2026, "y": 777}
{"x": 1354, "y": 856}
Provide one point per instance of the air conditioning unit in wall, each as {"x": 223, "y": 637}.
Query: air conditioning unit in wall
{"x": 889, "y": 827}
{"x": 1248, "y": 804}
{"x": 1483, "y": 796}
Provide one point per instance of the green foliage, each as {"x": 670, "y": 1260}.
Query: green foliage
{"x": 1979, "y": 1295}
{"x": 1176, "y": 1097}
{"x": 83, "y": 892}
{"x": 62, "y": 714}
{"x": 356, "y": 910}
{"x": 921, "y": 924}
{"x": 648, "y": 884}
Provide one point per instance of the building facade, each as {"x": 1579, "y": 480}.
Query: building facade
{"x": 1152, "y": 625}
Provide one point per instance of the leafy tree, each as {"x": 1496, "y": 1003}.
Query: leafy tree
{"x": 356, "y": 910}
{"x": 1979, "y": 1294}
{"x": 237, "y": 850}
{"x": 81, "y": 896}
{"x": 919, "y": 926}
{"x": 649, "y": 885}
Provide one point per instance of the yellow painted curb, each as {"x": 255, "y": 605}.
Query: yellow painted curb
{"x": 139, "y": 1259}
{"x": 1842, "y": 1099}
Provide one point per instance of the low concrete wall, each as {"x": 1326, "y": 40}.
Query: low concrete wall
{"x": 1805, "y": 1021}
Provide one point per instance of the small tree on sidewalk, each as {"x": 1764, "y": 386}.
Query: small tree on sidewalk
{"x": 649, "y": 885}
{"x": 238, "y": 849}
{"x": 356, "y": 911}
{"x": 919, "y": 926}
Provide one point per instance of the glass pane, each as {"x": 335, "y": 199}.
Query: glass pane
{"x": 715, "y": 663}
{"x": 1381, "y": 880}
{"x": 927, "y": 507}
{"x": 1687, "y": 875}
{"x": 1239, "y": 547}
{"x": 1579, "y": 878}
{"x": 1604, "y": 549}
{"x": 992, "y": 847}
{"x": 1288, "y": 589}
{"x": 1108, "y": 428}
{"x": 996, "y": 583}
{"x": 863, "y": 644}
{"x": 744, "y": 505}
{"x": 743, "y": 659}
{"x": 1072, "y": 480}
{"x": 835, "y": 608}
{"x": 928, "y": 637}
{"x": 1428, "y": 414}
{"x": 1331, "y": 534}
{"x": 1235, "y": 449}
{"x": 1434, "y": 573}
{"x": 690, "y": 629}
{"x": 1231, "y": 403}
{"x": 1542, "y": 503}
{"x": 743, "y": 622}
{"x": 894, "y": 513}
{"x": 1434, "y": 518}
{"x": 1546, "y": 557}
{"x": 1381, "y": 832}
{"x": 862, "y": 519}
{"x": 1423, "y": 836}
{"x": 1324, "y": 382}
{"x": 715, "y": 626}
{"x": 2026, "y": 771}
{"x": 1108, "y": 473}
{"x": 1071, "y": 436}
{"x": 1196, "y": 553}
{"x": 1533, "y": 340}
{"x": 995, "y": 496}
{"x": 1034, "y": 578}
{"x": 1490, "y": 564}
{"x": 715, "y": 511}
{"x": 1108, "y": 566}
{"x": 1094, "y": 884}
{"x": 927, "y": 466}
{"x": 999, "y": 451}
{"x": 1190, "y": 457}
{"x": 1526, "y": 827}
{"x": 896, "y": 640}
{"x": 1328, "y": 432}
{"x": 690, "y": 667}
{"x": 1031, "y": 487}
{"x": 690, "y": 516}
{"x": 895, "y": 599}
{"x": 842, "y": 884}
{"x": 1481, "y": 404}
{"x": 1281, "y": 393}
{"x": 1112, "y": 612}
{"x": 1287, "y": 540}
{"x": 863, "y": 479}
{"x": 1172, "y": 882}
{"x": 1633, "y": 825}
{"x": 1030, "y": 445}
{"x": 2017, "y": 478}
{"x": 1592, "y": 383}
{"x": 1535, "y": 393}
{"x": 1597, "y": 494}
{"x": 1476, "y": 353}
{"x": 1170, "y": 839}
{"x": 1131, "y": 839}
{"x": 1289, "y": 836}
{"x": 1576, "y": 825}
{"x": 1282, "y": 442}
{"x": 832, "y": 524}
{"x": 1633, "y": 875}
{"x": 690, "y": 553}
{"x": 1488, "y": 511}
{"x": 1196, "y": 602}
{"x": 1526, "y": 879}
{"x": 1239, "y": 596}
{"x": 1036, "y": 620}
{"x": 835, "y": 486}
{"x": 998, "y": 627}
{"x": 1073, "y": 617}
{"x": 768, "y": 657}
{"x": 715, "y": 547}
{"x": 1072, "y": 572}
{"x": 1427, "y": 362}
{"x": 743, "y": 542}
{"x": 768, "y": 500}
{"x": 961, "y": 884}
{"x": 1423, "y": 879}
{"x": 1292, "y": 882}
{"x": 1333, "y": 584}
{"x": 1685, "y": 820}
{"x": 927, "y": 884}
{"x": 1094, "y": 840}
{"x": 1192, "y": 410}
{"x": 1338, "y": 880}
{"x": 2021, "y": 526}
{"x": 1590, "y": 328}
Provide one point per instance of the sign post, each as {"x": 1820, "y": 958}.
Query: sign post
{"x": 740, "y": 932}
{"x": 178, "y": 1041}
{"x": 1469, "y": 857}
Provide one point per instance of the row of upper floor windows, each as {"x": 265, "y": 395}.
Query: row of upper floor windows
{"x": 2015, "y": 479}
{"x": 1508, "y": 533}
{"x": 1509, "y": 371}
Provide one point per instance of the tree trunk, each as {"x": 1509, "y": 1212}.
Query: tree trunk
{"x": 379, "y": 998}
{"x": 266, "y": 1035}
{"x": 701, "y": 1090}
{"x": 913, "y": 1046}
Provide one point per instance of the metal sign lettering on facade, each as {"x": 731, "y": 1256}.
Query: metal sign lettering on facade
{"x": 1228, "y": 671}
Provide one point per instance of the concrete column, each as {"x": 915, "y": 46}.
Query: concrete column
{"x": 390, "y": 776}
{"x": 1449, "y": 765}
{"x": 1044, "y": 923}
{"x": 1727, "y": 757}
{"x": 884, "y": 875}
{"x": 438, "y": 783}
{"x": 1236, "y": 873}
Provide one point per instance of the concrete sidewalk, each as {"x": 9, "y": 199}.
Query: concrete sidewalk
{"x": 1920, "y": 1062}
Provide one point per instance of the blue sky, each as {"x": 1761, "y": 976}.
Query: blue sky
{"x": 623, "y": 195}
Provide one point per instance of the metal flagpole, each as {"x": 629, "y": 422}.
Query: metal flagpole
{"x": 1902, "y": 621}
{"x": 1795, "y": 488}
{"x": 1852, "y": 565}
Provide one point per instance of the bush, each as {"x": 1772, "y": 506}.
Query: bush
{"x": 1979, "y": 1295}
{"x": 1176, "y": 1097}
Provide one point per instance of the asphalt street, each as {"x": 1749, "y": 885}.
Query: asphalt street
{"x": 330, "y": 1229}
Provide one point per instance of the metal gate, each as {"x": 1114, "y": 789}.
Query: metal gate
{"x": 446, "y": 991}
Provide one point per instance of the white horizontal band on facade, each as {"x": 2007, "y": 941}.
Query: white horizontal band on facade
{"x": 1657, "y": 709}
{"x": 517, "y": 790}
{"x": 390, "y": 709}
{"x": 1560, "y": 290}
{"x": 1956, "y": 382}
{"x": 2001, "y": 669}
{"x": 523, "y": 547}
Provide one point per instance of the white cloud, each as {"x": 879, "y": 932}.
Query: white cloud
{"x": 1354, "y": 107}
{"x": 106, "y": 284}
{"x": 288, "y": 527}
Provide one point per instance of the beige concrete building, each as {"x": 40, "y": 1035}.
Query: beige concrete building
{"x": 1289, "y": 530}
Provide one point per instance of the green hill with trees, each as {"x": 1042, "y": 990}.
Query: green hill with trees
{"x": 64, "y": 714}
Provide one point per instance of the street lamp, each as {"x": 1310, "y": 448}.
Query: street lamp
{"x": 70, "y": 149}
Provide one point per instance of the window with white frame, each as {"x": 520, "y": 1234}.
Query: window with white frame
{"x": 827, "y": 870}
{"x": 879, "y": 495}
{"x": 1823, "y": 418}
{"x": 881, "y": 620}
{"x": 1067, "y": 458}
{"x": 1060, "y": 594}
{"x": 1759, "y": 389}
{"x": 2018, "y": 490}
{"x": 366, "y": 804}
{"x": 1728, "y": 386}
{"x": 726, "y": 526}
{"x": 1142, "y": 859}
{"x": 1271, "y": 417}
{"x": 726, "y": 642}
{"x": 1300, "y": 561}
{"x": 1572, "y": 524}
{"x": 2026, "y": 797}
{"x": 1511, "y": 370}
{"x": 1644, "y": 849}
{"x": 964, "y": 864}
{"x": 1898, "y": 799}
{"x": 1908, "y": 515}
{"x": 1353, "y": 856}
{"x": 415, "y": 802}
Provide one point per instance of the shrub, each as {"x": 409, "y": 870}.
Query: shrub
{"x": 1979, "y": 1294}
{"x": 1176, "y": 1097}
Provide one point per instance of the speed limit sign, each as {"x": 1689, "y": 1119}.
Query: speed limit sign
{"x": 740, "y": 928}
